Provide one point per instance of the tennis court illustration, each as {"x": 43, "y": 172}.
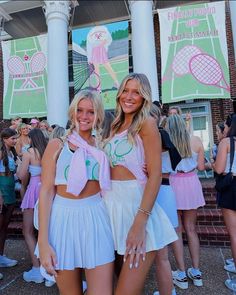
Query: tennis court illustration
{"x": 194, "y": 52}
{"x": 25, "y": 77}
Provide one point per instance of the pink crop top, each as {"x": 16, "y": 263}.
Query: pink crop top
{"x": 127, "y": 154}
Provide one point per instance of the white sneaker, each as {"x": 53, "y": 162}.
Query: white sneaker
{"x": 230, "y": 267}
{"x": 7, "y": 262}
{"x": 182, "y": 283}
{"x": 49, "y": 283}
{"x": 231, "y": 284}
{"x": 33, "y": 275}
{"x": 197, "y": 279}
{"x": 1, "y": 276}
{"x": 229, "y": 261}
{"x": 158, "y": 293}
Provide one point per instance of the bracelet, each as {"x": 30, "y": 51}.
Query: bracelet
{"x": 148, "y": 213}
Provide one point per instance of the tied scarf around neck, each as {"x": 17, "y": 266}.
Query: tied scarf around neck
{"x": 77, "y": 175}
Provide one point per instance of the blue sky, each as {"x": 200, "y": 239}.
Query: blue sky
{"x": 79, "y": 35}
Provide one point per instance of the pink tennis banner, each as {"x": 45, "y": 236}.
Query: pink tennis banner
{"x": 194, "y": 54}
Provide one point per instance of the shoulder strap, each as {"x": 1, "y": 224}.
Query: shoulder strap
{"x": 231, "y": 153}
{"x": 58, "y": 151}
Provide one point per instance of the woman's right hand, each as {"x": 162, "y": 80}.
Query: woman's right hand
{"x": 48, "y": 259}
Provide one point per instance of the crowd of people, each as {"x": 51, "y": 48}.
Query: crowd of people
{"x": 113, "y": 193}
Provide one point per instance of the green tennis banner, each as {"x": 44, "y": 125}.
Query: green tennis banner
{"x": 100, "y": 59}
{"x": 25, "y": 77}
{"x": 194, "y": 54}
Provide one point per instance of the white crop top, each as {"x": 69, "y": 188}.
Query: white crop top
{"x": 233, "y": 170}
{"x": 35, "y": 170}
{"x": 63, "y": 164}
{"x": 166, "y": 163}
{"x": 188, "y": 164}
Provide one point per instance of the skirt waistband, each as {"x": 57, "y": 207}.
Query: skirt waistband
{"x": 59, "y": 200}
{"x": 185, "y": 174}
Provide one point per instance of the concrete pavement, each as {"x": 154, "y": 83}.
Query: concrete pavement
{"x": 212, "y": 263}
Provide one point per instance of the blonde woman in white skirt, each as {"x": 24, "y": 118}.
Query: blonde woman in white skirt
{"x": 74, "y": 228}
{"x": 139, "y": 225}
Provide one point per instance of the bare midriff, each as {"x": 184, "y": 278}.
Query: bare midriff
{"x": 91, "y": 188}
{"x": 121, "y": 173}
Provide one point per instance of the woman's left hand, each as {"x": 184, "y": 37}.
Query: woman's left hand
{"x": 135, "y": 245}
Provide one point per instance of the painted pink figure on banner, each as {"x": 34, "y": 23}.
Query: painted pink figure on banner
{"x": 98, "y": 41}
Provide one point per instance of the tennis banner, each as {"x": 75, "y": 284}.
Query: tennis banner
{"x": 100, "y": 59}
{"x": 25, "y": 77}
{"x": 194, "y": 54}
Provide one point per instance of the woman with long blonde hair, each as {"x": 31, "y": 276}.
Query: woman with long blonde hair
{"x": 74, "y": 228}
{"x": 139, "y": 225}
{"x": 23, "y": 141}
{"x": 189, "y": 197}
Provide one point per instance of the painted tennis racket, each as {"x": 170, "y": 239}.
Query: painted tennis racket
{"x": 16, "y": 66}
{"x": 207, "y": 70}
{"x": 180, "y": 64}
{"x": 38, "y": 62}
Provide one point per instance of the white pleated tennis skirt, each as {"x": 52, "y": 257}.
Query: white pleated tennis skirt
{"x": 122, "y": 202}
{"x": 80, "y": 233}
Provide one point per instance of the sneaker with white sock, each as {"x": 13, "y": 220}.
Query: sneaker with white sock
{"x": 196, "y": 276}
{"x": 231, "y": 284}
{"x": 180, "y": 279}
{"x": 33, "y": 275}
{"x": 230, "y": 267}
{"x": 229, "y": 261}
{"x": 7, "y": 262}
{"x": 49, "y": 283}
{"x": 158, "y": 293}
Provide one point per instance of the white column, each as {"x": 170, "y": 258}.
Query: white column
{"x": 143, "y": 43}
{"x": 57, "y": 15}
{"x": 232, "y": 5}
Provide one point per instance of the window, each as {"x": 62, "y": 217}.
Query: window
{"x": 201, "y": 126}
